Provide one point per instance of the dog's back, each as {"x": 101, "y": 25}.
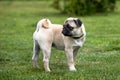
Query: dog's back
{"x": 48, "y": 31}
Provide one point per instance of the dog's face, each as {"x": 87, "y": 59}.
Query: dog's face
{"x": 72, "y": 27}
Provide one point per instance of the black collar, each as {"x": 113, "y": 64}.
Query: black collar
{"x": 78, "y": 37}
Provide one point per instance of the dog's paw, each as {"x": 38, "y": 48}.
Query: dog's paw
{"x": 35, "y": 64}
{"x": 72, "y": 68}
{"x": 47, "y": 70}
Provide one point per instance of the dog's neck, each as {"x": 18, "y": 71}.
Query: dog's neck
{"x": 78, "y": 37}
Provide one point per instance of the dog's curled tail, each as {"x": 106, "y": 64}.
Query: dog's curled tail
{"x": 44, "y": 23}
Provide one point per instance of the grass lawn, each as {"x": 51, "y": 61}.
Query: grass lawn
{"x": 99, "y": 59}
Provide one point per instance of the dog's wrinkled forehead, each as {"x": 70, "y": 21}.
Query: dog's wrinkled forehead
{"x": 75, "y": 22}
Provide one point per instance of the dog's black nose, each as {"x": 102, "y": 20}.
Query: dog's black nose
{"x": 66, "y": 31}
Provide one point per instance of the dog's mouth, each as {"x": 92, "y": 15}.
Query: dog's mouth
{"x": 67, "y": 30}
{"x": 66, "y": 33}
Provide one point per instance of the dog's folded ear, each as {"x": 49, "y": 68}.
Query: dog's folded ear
{"x": 45, "y": 24}
{"x": 78, "y": 22}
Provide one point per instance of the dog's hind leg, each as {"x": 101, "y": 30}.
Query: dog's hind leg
{"x": 36, "y": 50}
{"x": 46, "y": 54}
{"x": 46, "y": 57}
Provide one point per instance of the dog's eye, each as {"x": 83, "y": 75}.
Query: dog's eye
{"x": 70, "y": 28}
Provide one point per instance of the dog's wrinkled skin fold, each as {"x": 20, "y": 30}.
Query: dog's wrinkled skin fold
{"x": 68, "y": 37}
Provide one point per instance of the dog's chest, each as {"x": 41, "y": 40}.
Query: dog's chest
{"x": 78, "y": 43}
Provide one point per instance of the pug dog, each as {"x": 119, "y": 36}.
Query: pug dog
{"x": 68, "y": 37}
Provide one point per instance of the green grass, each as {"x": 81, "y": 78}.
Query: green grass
{"x": 99, "y": 59}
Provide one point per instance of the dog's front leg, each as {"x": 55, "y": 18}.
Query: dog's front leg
{"x": 69, "y": 54}
{"x": 75, "y": 51}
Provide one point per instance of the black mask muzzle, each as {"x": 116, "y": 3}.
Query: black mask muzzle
{"x": 67, "y": 30}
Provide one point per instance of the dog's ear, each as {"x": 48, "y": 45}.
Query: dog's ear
{"x": 45, "y": 24}
{"x": 78, "y": 22}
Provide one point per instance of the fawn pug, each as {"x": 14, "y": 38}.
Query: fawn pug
{"x": 68, "y": 37}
